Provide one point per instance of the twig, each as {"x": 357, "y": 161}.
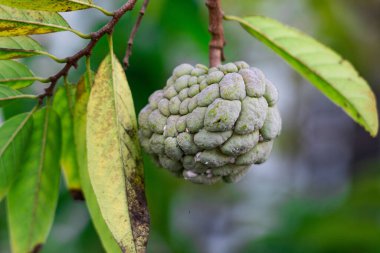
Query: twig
{"x": 72, "y": 61}
{"x": 216, "y": 52}
{"x": 128, "y": 53}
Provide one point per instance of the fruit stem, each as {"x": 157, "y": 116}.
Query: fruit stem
{"x": 217, "y": 43}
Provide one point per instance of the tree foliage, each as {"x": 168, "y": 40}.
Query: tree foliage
{"x": 89, "y": 130}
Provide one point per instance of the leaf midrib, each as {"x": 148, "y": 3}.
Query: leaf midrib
{"x": 18, "y": 97}
{"x": 119, "y": 143}
{"x": 38, "y": 183}
{"x": 15, "y": 133}
{"x": 60, "y": 27}
{"x": 300, "y": 62}
{"x": 7, "y": 80}
{"x": 4, "y": 49}
{"x": 82, "y": 3}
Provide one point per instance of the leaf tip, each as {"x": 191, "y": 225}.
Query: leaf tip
{"x": 374, "y": 131}
{"x": 77, "y": 194}
{"x": 37, "y": 248}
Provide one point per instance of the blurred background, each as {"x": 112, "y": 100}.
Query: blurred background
{"x": 319, "y": 191}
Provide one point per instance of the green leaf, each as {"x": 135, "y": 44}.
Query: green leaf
{"x": 48, "y": 5}
{"x": 7, "y": 95}
{"x": 15, "y": 74}
{"x": 18, "y": 47}
{"x": 64, "y": 105}
{"x": 14, "y": 135}
{"x": 80, "y": 120}
{"x": 32, "y": 199}
{"x": 114, "y": 157}
{"x": 14, "y": 22}
{"x": 324, "y": 68}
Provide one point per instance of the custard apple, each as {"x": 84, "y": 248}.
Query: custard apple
{"x": 209, "y": 125}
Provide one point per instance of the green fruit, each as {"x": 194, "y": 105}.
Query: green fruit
{"x": 209, "y": 125}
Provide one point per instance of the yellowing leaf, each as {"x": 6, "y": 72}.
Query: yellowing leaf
{"x": 14, "y": 135}
{"x": 84, "y": 85}
{"x": 324, "y": 68}
{"x": 48, "y": 5}
{"x": 14, "y": 22}
{"x": 80, "y": 123}
{"x": 64, "y": 105}
{"x": 15, "y": 74}
{"x": 114, "y": 157}
{"x": 32, "y": 199}
{"x": 18, "y": 47}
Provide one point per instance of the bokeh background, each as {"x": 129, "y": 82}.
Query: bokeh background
{"x": 320, "y": 190}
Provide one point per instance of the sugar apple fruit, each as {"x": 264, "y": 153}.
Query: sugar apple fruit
{"x": 209, "y": 125}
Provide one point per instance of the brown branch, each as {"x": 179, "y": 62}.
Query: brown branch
{"x": 132, "y": 36}
{"x": 72, "y": 61}
{"x": 216, "y": 52}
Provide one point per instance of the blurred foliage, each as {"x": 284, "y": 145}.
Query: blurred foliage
{"x": 353, "y": 225}
{"x": 173, "y": 32}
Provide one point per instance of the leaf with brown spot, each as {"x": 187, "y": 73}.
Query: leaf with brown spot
{"x": 49, "y": 5}
{"x": 114, "y": 158}
{"x": 14, "y": 22}
{"x": 18, "y": 47}
{"x": 80, "y": 122}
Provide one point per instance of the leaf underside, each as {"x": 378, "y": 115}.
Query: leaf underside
{"x": 324, "y": 68}
{"x": 114, "y": 158}
{"x": 15, "y": 74}
{"x": 14, "y": 134}
{"x": 18, "y": 47}
{"x": 32, "y": 199}
{"x": 14, "y": 22}
{"x": 48, "y": 5}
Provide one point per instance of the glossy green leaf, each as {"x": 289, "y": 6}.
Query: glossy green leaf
{"x": 14, "y": 135}
{"x": 48, "y": 5}
{"x": 15, "y": 74}
{"x": 18, "y": 47}
{"x": 324, "y": 68}
{"x": 64, "y": 105}
{"x": 114, "y": 157}
{"x": 80, "y": 120}
{"x": 7, "y": 95}
{"x": 32, "y": 199}
{"x": 14, "y": 22}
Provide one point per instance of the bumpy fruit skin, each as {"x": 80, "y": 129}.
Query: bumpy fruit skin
{"x": 209, "y": 125}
